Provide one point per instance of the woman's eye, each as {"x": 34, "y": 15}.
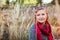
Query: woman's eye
{"x": 38, "y": 14}
{"x": 43, "y": 14}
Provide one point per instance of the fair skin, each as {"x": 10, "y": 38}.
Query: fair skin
{"x": 41, "y": 16}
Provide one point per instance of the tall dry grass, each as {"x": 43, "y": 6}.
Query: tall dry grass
{"x": 15, "y": 28}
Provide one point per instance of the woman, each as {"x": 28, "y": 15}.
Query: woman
{"x": 41, "y": 29}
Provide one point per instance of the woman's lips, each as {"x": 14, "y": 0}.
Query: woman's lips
{"x": 41, "y": 19}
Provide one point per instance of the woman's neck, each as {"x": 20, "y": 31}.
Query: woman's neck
{"x": 41, "y": 23}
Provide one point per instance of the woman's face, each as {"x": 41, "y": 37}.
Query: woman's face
{"x": 41, "y": 16}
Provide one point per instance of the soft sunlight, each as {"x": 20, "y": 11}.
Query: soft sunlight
{"x": 11, "y": 0}
{"x": 46, "y": 1}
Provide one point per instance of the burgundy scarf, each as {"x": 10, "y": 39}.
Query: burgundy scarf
{"x": 46, "y": 29}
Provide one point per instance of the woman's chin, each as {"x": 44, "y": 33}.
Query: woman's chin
{"x": 41, "y": 21}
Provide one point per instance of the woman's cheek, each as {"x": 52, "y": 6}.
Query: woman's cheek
{"x": 37, "y": 18}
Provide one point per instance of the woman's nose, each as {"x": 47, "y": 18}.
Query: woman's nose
{"x": 40, "y": 16}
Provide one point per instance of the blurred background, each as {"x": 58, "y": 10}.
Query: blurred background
{"x": 16, "y": 17}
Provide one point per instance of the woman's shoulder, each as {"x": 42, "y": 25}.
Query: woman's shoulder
{"x": 32, "y": 35}
{"x": 32, "y": 27}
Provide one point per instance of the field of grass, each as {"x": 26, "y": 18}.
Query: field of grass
{"x": 17, "y": 28}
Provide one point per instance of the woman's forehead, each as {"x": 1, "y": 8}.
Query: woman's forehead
{"x": 41, "y": 11}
